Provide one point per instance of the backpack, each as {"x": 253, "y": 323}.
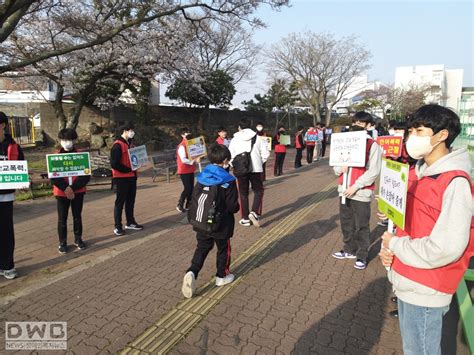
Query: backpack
{"x": 205, "y": 211}
{"x": 242, "y": 162}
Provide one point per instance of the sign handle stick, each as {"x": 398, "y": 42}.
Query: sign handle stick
{"x": 200, "y": 167}
{"x": 344, "y": 187}
{"x": 69, "y": 179}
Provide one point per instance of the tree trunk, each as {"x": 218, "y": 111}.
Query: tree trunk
{"x": 73, "y": 120}
{"x": 202, "y": 116}
{"x": 328, "y": 115}
{"x": 59, "y": 109}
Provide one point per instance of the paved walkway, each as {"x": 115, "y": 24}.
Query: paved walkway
{"x": 123, "y": 293}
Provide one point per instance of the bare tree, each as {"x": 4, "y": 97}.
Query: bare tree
{"x": 321, "y": 65}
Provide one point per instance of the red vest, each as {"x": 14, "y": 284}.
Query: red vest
{"x": 297, "y": 143}
{"x": 58, "y": 192}
{"x": 424, "y": 201}
{"x": 311, "y": 132}
{"x": 279, "y": 148}
{"x": 220, "y": 141}
{"x": 184, "y": 168}
{"x": 357, "y": 172}
{"x": 13, "y": 153}
{"x": 124, "y": 160}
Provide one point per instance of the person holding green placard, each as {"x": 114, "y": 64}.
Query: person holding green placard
{"x": 280, "y": 151}
{"x": 69, "y": 193}
{"x": 9, "y": 150}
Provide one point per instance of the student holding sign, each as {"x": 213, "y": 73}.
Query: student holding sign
{"x": 355, "y": 211}
{"x": 186, "y": 169}
{"x": 281, "y": 141}
{"x": 69, "y": 193}
{"x": 125, "y": 180}
{"x": 299, "y": 144}
{"x": 310, "y": 139}
{"x": 9, "y": 150}
{"x": 429, "y": 257}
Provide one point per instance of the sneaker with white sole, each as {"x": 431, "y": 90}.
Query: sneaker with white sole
{"x": 343, "y": 255}
{"x": 245, "y": 222}
{"x": 255, "y": 218}
{"x": 119, "y": 231}
{"x": 360, "y": 264}
{"x": 222, "y": 281}
{"x": 189, "y": 284}
{"x": 9, "y": 274}
{"x": 134, "y": 226}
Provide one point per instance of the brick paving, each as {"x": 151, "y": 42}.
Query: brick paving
{"x": 299, "y": 299}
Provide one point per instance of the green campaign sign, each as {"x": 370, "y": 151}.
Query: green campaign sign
{"x": 14, "y": 175}
{"x": 393, "y": 191}
{"x": 68, "y": 164}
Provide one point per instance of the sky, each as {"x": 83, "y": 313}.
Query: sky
{"x": 397, "y": 33}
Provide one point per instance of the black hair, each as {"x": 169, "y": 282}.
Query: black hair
{"x": 127, "y": 126}
{"x": 244, "y": 123}
{"x": 221, "y": 129}
{"x": 218, "y": 153}
{"x": 398, "y": 125}
{"x": 300, "y": 128}
{"x": 356, "y": 128}
{"x": 281, "y": 126}
{"x": 184, "y": 130}
{"x": 362, "y": 116}
{"x": 67, "y": 134}
{"x": 259, "y": 123}
{"x": 3, "y": 118}
{"x": 437, "y": 118}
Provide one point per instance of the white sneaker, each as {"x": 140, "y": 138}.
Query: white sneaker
{"x": 255, "y": 219}
{"x": 222, "y": 281}
{"x": 245, "y": 222}
{"x": 9, "y": 274}
{"x": 189, "y": 284}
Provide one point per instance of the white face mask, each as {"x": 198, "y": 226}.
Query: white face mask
{"x": 131, "y": 134}
{"x": 259, "y": 128}
{"x": 67, "y": 145}
{"x": 399, "y": 134}
{"x": 419, "y": 147}
{"x": 391, "y": 132}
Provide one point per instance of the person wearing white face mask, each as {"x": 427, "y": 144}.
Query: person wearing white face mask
{"x": 69, "y": 193}
{"x": 125, "y": 180}
{"x": 428, "y": 258}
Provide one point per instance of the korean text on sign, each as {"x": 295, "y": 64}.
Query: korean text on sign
{"x": 348, "y": 149}
{"x": 391, "y": 146}
{"x": 68, "y": 164}
{"x": 14, "y": 175}
{"x": 196, "y": 148}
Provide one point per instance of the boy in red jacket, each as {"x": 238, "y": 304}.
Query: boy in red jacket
{"x": 280, "y": 152}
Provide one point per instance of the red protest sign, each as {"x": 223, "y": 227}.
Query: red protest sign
{"x": 391, "y": 146}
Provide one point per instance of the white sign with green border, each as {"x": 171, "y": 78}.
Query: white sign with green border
{"x": 14, "y": 175}
{"x": 393, "y": 191}
{"x": 68, "y": 164}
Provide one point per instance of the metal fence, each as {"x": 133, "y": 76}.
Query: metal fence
{"x": 22, "y": 130}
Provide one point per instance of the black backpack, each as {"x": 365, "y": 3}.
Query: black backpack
{"x": 242, "y": 162}
{"x": 205, "y": 211}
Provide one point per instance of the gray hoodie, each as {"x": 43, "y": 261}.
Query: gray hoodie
{"x": 448, "y": 239}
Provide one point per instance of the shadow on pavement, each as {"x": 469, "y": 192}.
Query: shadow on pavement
{"x": 348, "y": 328}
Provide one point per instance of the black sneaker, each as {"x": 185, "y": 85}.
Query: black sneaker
{"x": 80, "y": 244}
{"x": 180, "y": 208}
{"x": 62, "y": 248}
{"x": 134, "y": 226}
{"x": 119, "y": 231}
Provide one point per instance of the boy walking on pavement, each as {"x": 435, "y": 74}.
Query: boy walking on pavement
{"x": 299, "y": 144}
{"x": 186, "y": 170}
{"x": 261, "y": 133}
{"x": 9, "y": 150}
{"x": 428, "y": 258}
{"x": 69, "y": 193}
{"x": 355, "y": 213}
{"x": 246, "y": 140}
{"x": 224, "y": 206}
{"x": 125, "y": 180}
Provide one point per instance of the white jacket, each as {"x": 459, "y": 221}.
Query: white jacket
{"x": 241, "y": 143}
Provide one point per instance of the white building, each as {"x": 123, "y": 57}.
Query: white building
{"x": 354, "y": 93}
{"x": 445, "y": 85}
